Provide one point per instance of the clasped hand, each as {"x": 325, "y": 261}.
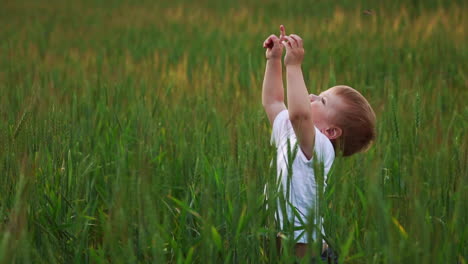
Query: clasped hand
{"x": 293, "y": 44}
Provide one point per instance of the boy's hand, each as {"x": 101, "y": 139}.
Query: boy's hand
{"x": 294, "y": 50}
{"x": 273, "y": 45}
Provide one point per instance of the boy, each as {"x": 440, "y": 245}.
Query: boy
{"x": 338, "y": 120}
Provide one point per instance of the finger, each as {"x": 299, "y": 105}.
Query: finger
{"x": 291, "y": 41}
{"x": 282, "y": 32}
{"x": 286, "y": 44}
{"x": 297, "y": 39}
{"x": 277, "y": 41}
{"x": 272, "y": 36}
{"x": 270, "y": 40}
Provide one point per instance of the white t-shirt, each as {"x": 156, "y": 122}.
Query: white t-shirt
{"x": 303, "y": 189}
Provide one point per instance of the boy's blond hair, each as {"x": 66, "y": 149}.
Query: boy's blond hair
{"x": 356, "y": 120}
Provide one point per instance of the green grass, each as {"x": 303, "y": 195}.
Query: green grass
{"x": 135, "y": 132}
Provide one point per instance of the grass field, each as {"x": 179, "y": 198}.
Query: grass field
{"x": 134, "y": 132}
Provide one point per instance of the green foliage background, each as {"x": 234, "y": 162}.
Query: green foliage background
{"x": 133, "y": 131}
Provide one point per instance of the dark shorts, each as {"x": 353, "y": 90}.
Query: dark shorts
{"x": 328, "y": 256}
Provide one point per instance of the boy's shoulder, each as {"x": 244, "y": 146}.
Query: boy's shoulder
{"x": 281, "y": 116}
{"x": 283, "y": 130}
{"x": 323, "y": 147}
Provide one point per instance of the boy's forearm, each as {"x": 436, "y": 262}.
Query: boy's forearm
{"x": 273, "y": 91}
{"x": 298, "y": 96}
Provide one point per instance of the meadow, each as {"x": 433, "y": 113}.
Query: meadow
{"x": 133, "y": 131}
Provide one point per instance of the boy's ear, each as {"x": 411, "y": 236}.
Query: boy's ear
{"x": 333, "y": 132}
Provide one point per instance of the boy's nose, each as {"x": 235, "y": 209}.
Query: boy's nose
{"x": 313, "y": 97}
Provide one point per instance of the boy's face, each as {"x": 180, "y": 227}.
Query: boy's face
{"x": 324, "y": 108}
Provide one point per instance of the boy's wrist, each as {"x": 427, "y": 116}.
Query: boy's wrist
{"x": 274, "y": 59}
{"x": 294, "y": 66}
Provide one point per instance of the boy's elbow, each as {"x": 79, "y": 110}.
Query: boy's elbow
{"x": 296, "y": 117}
{"x": 271, "y": 101}
{"x": 265, "y": 105}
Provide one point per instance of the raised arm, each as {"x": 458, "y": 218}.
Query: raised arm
{"x": 272, "y": 90}
{"x": 299, "y": 109}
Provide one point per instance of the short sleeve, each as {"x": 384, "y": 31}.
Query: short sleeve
{"x": 324, "y": 150}
{"x": 323, "y": 147}
{"x": 280, "y": 127}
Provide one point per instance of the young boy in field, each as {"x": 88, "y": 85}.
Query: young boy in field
{"x": 339, "y": 120}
